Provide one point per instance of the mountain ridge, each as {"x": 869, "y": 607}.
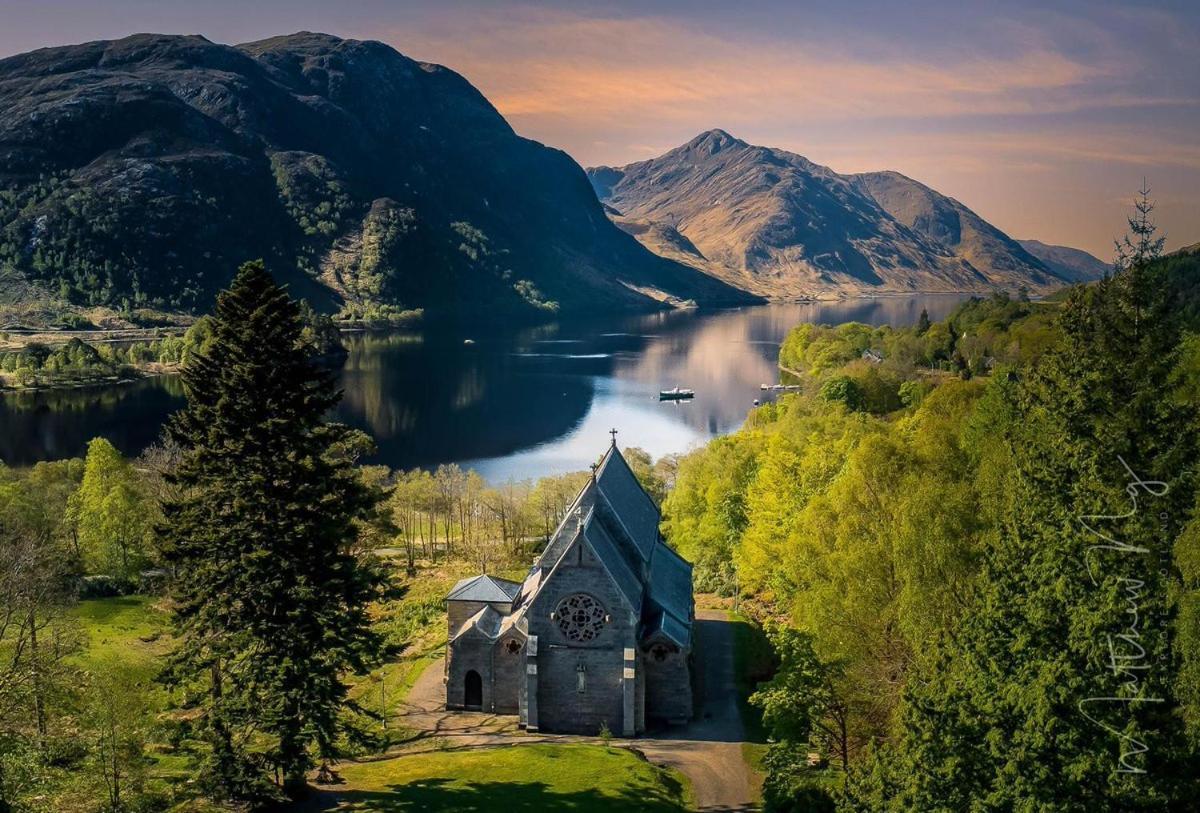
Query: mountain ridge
{"x": 1070, "y": 263}
{"x": 141, "y": 172}
{"x": 775, "y": 223}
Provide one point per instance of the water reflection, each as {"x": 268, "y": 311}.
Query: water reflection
{"x": 511, "y": 404}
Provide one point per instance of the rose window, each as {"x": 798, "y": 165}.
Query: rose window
{"x": 579, "y": 617}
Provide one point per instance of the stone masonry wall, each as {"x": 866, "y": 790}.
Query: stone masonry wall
{"x": 509, "y": 669}
{"x": 470, "y": 652}
{"x": 561, "y": 706}
{"x": 668, "y": 687}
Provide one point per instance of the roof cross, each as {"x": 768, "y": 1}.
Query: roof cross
{"x": 613, "y": 432}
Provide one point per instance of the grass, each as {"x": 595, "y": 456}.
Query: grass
{"x": 753, "y": 663}
{"x": 131, "y": 635}
{"x": 415, "y": 625}
{"x": 514, "y": 779}
{"x": 130, "y": 630}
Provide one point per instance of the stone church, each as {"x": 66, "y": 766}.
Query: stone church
{"x": 598, "y": 634}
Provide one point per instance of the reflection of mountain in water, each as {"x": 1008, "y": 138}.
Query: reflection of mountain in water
{"x": 433, "y": 399}
{"x": 513, "y": 404}
{"x": 59, "y": 423}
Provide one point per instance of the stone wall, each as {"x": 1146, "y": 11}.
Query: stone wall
{"x": 472, "y": 652}
{"x": 562, "y": 707}
{"x": 668, "y": 686}
{"x": 509, "y": 671}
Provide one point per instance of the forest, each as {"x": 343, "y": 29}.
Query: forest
{"x": 973, "y": 545}
{"x": 86, "y": 723}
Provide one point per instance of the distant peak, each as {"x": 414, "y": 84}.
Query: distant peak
{"x": 300, "y": 38}
{"x": 714, "y": 140}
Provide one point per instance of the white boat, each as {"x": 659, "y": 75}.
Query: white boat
{"x": 676, "y": 394}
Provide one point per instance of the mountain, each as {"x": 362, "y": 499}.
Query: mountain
{"x": 774, "y": 223}
{"x": 143, "y": 171}
{"x": 1069, "y": 263}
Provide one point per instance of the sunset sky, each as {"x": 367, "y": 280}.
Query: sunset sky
{"x": 1042, "y": 120}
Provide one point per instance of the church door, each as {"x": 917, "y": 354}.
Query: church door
{"x": 473, "y": 698}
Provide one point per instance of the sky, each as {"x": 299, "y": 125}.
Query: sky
{"x": 1042, "y": 117}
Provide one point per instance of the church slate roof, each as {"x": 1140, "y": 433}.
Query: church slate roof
{"x": 671, "y": 583}
{"x": 606, "y": 550}
{"x": 484, "y": 588}
{"x": 568, "y": 528}
{"x": 619, "y": 521}
{"x": 629, "y": 501}
{"x": 487, "y": 622}
{"x": 670, "y": 626}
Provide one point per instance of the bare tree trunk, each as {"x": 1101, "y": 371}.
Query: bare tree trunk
{"x": 39, "y": 701}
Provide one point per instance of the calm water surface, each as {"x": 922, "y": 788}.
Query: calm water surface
{"x": 510, "y": 405}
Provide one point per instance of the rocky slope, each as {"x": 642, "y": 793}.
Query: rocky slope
{"x": 142, "y": 171}
{"x": 1069, "y": 263}
{"x": 774, "y": 223}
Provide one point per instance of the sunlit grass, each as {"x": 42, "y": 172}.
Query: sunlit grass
{"x": 514, "y": 779}
{"x": 130, "y": 630}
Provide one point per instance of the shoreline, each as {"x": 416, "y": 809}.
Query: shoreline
{"x": 16, "y": 340}
{"x": 138, "y": 374}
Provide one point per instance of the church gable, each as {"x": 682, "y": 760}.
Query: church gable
{"x": 590, "y": 564}
{"x": 604, "y": 548}
{"x": 567, "y": 529}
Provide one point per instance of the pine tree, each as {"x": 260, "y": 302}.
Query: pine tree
{"x": 270, "y": 600}
{"x": 923, "y": 322}
{"x": 1057, "y": 692}
{"x": 1141, "y": 244}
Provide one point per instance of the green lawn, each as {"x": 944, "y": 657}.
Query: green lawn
{"x": 512, "y": 779}
{"x": 128, "y": 630}
{"x": 131, "y": 635}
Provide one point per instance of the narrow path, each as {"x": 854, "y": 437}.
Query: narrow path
{"x": 708, "y": 751}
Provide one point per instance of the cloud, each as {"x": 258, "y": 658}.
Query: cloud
{"x": 603, "y": 72}
{"x": 992, "y": 110}
{"x": 1040, "y": 150}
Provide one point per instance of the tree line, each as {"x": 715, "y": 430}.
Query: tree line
{"x": 982, "y": 598}
{"x": 37, "y": 364}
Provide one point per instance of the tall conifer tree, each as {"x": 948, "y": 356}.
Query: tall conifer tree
{"x": 270, "y": 602}
{"x": 1058, "y": 690}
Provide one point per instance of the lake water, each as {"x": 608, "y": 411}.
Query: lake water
{"x": 511, "y": 405}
